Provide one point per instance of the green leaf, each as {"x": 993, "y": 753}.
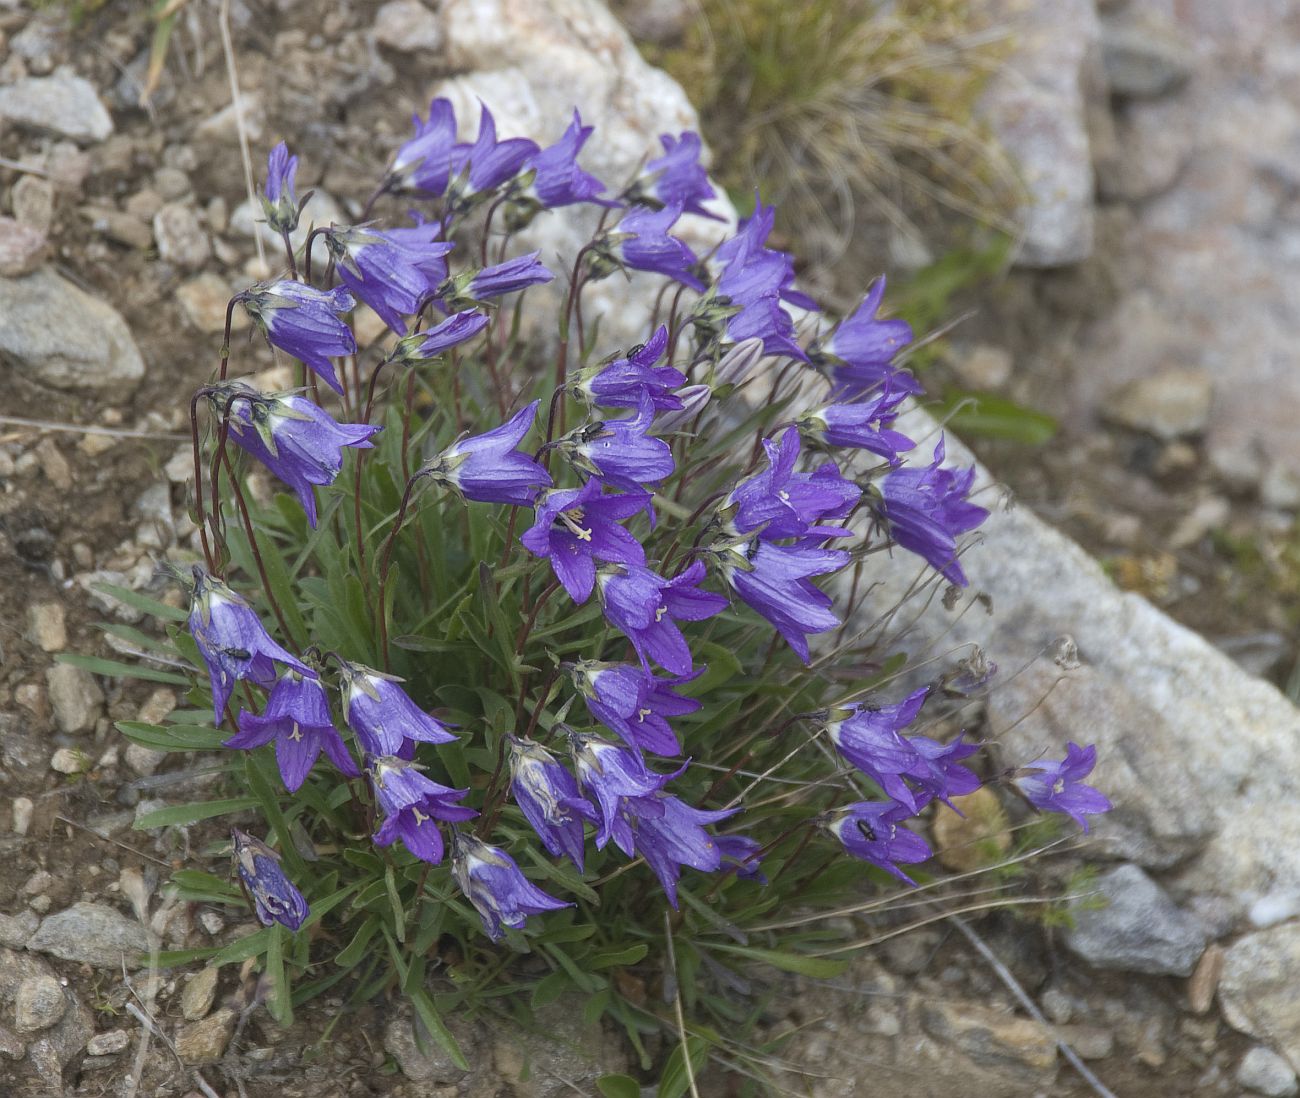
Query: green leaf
{"x": 674, "y": 1081}
{"x": 256, "y": 765}
{"x": 437, "y": 1029}
{"x": 820, "y": 968}
{"x": 257, "y": 942}
{"x": 281, "y": 1004}
{"x": 619, "y": 958}
{"x": 114, "y": 669}
{"x": 140, "y": 602}
{"x": 178, "y": 815}
{"x": 618, "y": 1086}
{"x": 549, "y": 988}
{"x": 978, "y": 415}
{"x": 722, "y": 667}
{"x": 399, "y": 912}
{"x": 352, "y": 953}
{"x": 196, "y": 886}
{"x": 183, "y": 737}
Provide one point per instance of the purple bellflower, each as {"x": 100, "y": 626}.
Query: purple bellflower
{"x": 870, "y": 739}
{"x": 423, "y": 346}
{"x": 939, "y": 774}
{"x": 297, "y": 718}
{"x": 644, "y": 244}
{"x": 496, "y": 886}
{"x": 611, "y": 774}
{"x": 304, "y": 322}
{"x": 295, "y": 439}
{"x": 490, "y": 468}
{"x": 512, "y": 276}
{"x": 633, "y": 704}
{"x": 382, "y": 714}
{"x": 926, "y": 510}
{"x": 575, "y": 527}
{"x": 647, "y": 608}
{"x": 861, "y": 350}
{"x": 275, "y": 899}
{"x": 557, "y": 179}
{"x": 549, "y": 798}
{"x": 393, "y": 275}
{"x": 774, "y": 581}
{"x": 1058, "y": 786}
{"x": 677, "y": 178}
{"x": 742, "y": 852}
{"x": 619, "y": 450}
{"x": 622, "y": 382}
{"x": 751, "y": 270}
{"x": 423, "y": 164}
{"x": 777, "y": 502}
{"x": 668, "y": 834}
{"x": 480, "y": 168}
{"x": 279, "y": 203}
{"x": 412, "y": 805}
{"x": 871, "y": 830}
{"x": 232, "y": 641}
{"x": 863, "y": 425}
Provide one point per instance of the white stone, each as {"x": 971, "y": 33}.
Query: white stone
{"x": 22, "y": 814}
{"x": 75, "y": 697}
{"x": 408, "y": 27}
{"x": 45, "y": 626}
{"x": 1265, "y": 1072}
{"x": 63, "y": 103}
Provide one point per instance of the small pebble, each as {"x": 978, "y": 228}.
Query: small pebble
{"x": 108, "y": 1044}
{"x": 22, "y": 809}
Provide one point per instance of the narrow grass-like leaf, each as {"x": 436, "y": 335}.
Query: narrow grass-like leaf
{"x": 178, "y": 815}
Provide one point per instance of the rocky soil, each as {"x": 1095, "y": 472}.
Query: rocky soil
{"x": 123, "y": 230}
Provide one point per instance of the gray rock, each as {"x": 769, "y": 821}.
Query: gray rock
{"x": 1034, "y": 105}
{"x": 97, "y": 353}
{"x": 205, "y": 1042}
{"x": 408, "y": 27}
{"x": 1143, "y": 57}
{"x": 992, "y": 1038}
{"x": 45, "y": 626}
{"x": 39, "y": 1003}
{"x": 32, "y": 198}
{"x": 16, "y": 930}
{"x": 199, "y": 994}
{"x": 180, "y": 237}
{"x": 63, "y": 103}
{"x": 93, "y": 934}
{"x": 22, "y": 247}
{"x": 432, "y": 1064}
{"x": 109, "y": 1043}
{"x": 75, "y": 697}
{"x": 41, "y": 43}
{"x": 1257, "y": 990}
{"x": 11, "y": 1046}
{"x": 1152, "y": 147}
{"x": 1139, "y": 930}
{"x": 54, "y": 1049}
{"x": 1169, "y": 405}
{"x": 561, "y": 1056}
{"x": 1265, "y": 1072}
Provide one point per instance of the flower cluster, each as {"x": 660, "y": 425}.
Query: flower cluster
{"x": 682, "y": 526}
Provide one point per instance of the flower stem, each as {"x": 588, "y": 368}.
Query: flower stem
{"x": 251, "y": 532}
{"x": 385, "y": 563}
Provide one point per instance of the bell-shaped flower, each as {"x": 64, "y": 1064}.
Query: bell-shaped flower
{"x": 647, "y": 608}
{"x": 610, "y": 774}
{"x": 575, "y": 527}
{"x": 476, "y": 286}
{"x": 861, "y": 425}
{"x": 393, "y": 274}
{"x": 423, "y": 346}
{"x": 744, "y": 854}
{"x": 677, "y": 178}
{"x": 870, "y": 738}
{"x": 297, "y": 440}
{"x": 557, "y": 179}
{"x": 382, "y": 714}
{"x": 619, "y": 450}
{"x": 549, "y": 798}
{"x": 668, "y": 834}
{"x": 622, "y": 382}
{"x": 482, "y": 167}
{"x": 423, "y": 164}
{"x": 495, "y": 885}
{"x": 861, "y": 350}
{"x": 304, "y": 322}
{"x": 412, "y": 804}
{"x": 490, "y": 468}
{"x": 939, "y": 774}
{"x": 232, "y": 640}
{"x": 643, "y": 243}
{"x": 1058, "y": 786}
{"x": 925, "y": 509}
{"x": 774, "y": 581}
{"x": 279, "y": 203}
{"x": 297, "y": 718}
{"x": 633, "y": 703}
{"x": 275, "y": 899}
{"x": 872, "y": 831}
{"x": 779, "y": 503}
